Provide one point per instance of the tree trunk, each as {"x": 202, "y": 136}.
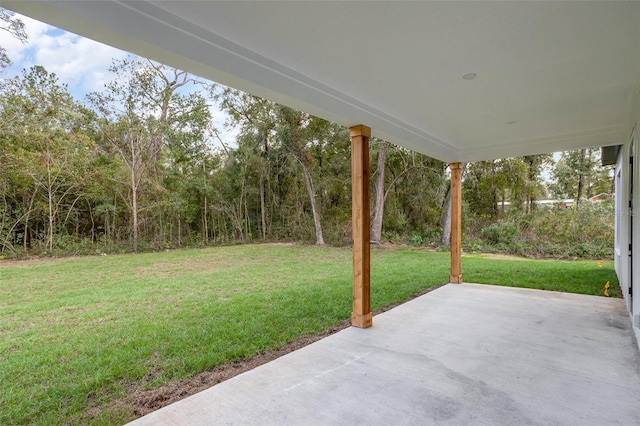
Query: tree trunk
{"x": 25, "y": 237}
{"x": 112, "y": 229}
{"x": 531, "y": 179}
{"x": 134, "y": 212}
{"x": 93, "y": 224}
{"x": 263, "y": 219}
{"x": 445, "y": 240}
{"x": 49, "y": 189}
{"x": 247, "y": 221}
{"x": 240, "y": 216}
{"x": 583, "y": 153}
{"x": 263, "y": 204}
{"x": 308, "y": 183}
{"x": 376, "y": 226}
{"x": 50, "y": 228}
{"x": 205, "y": 223}
{"x": 494, "y": 189}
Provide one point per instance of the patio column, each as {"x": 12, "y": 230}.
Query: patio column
{"x": 456, "y": 223}
{"x": 361, "y": 315}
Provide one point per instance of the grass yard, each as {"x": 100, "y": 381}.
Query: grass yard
{"x": 571, "y": 276}
{"x": 77, "y": 334}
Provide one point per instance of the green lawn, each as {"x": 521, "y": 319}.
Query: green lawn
{"x": 76, "y": 334}
{"x": 584, "y": 276}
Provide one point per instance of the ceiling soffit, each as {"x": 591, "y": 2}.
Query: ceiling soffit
{"x": 550, "y": 76}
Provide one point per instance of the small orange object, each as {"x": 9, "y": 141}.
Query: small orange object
{"x": 599, "y": 264}
{"x": 606, "y": 289}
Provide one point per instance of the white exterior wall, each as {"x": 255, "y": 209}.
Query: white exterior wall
{"x": 635, "y": 237}
{"x": 621, "y": 252}
{"x": 628, "y": 267}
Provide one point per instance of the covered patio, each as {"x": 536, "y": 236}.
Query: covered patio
{"x": 459, "y": 82}
{"x": 463, "y": 354}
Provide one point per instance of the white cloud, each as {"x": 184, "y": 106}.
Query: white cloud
{"x": 16, "y": 49}
{"x": 79, "y": 62}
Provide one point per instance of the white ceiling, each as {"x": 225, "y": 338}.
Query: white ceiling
{"x": 550, "y": 75}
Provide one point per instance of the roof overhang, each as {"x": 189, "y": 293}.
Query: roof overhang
{"x": 550, "y": 75}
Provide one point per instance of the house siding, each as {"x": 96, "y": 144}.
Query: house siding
{"x": 627, "y": 220}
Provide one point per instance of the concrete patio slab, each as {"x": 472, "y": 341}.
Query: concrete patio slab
{"x": 464, "y": 354}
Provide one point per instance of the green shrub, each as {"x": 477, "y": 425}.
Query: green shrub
{"x": 416, "y": 239}
{"x": 474, "y": 246}
{"x": 587, "y": 233}
{"x": 500, "y": 233}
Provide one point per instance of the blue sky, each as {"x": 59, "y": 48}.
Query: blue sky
{"x": 78, "y": 62}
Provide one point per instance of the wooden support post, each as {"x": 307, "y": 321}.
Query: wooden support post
{"x": 456, "y": 223}
{"x": 361, "y": 315}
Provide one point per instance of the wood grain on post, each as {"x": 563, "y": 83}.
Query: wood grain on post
{"x": 361, "y": 315}
{"x": 456, "y": 223}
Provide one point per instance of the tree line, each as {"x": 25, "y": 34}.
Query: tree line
{"x": 140, "y": 165}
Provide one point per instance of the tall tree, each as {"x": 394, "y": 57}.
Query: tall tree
{"x": 535, "y": 187}
{"x": 378, "y": 215}
{"x": 515, "y": 181}
{"x": 413, "y": 192}
{"x": 480, "y": 188}
{"x": 577, "y": 174}
{"x": 142, "y": 111}
{"x": 510, "y": 181}
{"x": 256, "y": 117}
{"x": 43, "y": 142}
{"x": 297, "y": 131}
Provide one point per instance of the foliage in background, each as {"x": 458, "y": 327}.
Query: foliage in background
{"x": 577, "y": 175}
{"x": 550, "y": 232}
{"x": 140, "y": 166}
